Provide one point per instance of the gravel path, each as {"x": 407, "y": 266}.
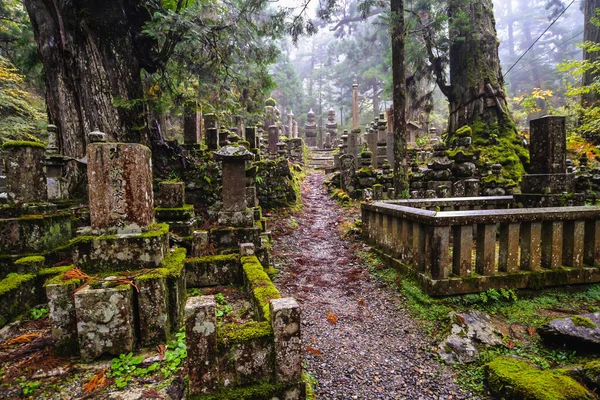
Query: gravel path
{"x": 375, "y": 350}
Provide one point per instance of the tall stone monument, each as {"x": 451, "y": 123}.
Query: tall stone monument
{"x": 310, "y": 130}
{"x": 331, "y": 127}
{"x": 548, "y": 184}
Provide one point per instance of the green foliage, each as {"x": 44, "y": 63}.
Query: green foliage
{"x": 127, "y": 366}
{"x": 29, "y": 387}
{"x": 223, "y": 309}
{"x": 22, "y": 114}
{"x": 37, "y": 313}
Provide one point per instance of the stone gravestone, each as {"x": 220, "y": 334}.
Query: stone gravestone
{"x": 120, "y": 187}
{"x": 190, "y": 124}
{"x": 273, "y": 139}
{"x": 348, "y": 173}
{"x": 548, "y": 183}
{"x": 310, "y": 129}
{"x": 25, "y": 172}
{"x": 250, "y": 135}
{"x": 235, "y": 212}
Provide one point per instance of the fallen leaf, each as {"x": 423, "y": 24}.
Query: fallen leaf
{"x": 531, "y": 331}
{"x": 332, "y": 318}
{"x": 161, "y": 351}
{"x": 510, "y": 344}
{"x": 460, "y": 318}
{"x": 27, "y": 338}
{"x": 314, "y": 351}
{"x": 98, "y": 382}
{"x": 362, "y": 302}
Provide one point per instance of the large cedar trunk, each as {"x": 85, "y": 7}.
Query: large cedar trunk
{"x": 591, "y": 33}
{"x": 476, "y": 82}
{"x": 92, "y": 53}
{"x": 399, "y": 96}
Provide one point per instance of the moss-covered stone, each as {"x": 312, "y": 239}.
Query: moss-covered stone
{"x": 511, "y": 378}
{"x": 578, "y": 320}
{"x": 17, "y": 295}
{"x": 235, "y": 333}
{"x": 258, "y": 391}
{"x": 213, "y": 270}
{"x": 34, "y": 233}
{"x": 259, "y": 284}
{"x": 23, "y": 143}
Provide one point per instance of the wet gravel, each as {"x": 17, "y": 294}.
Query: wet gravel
{"x": 375, "y": 350}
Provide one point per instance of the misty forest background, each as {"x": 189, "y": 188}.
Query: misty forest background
{"x": 253, "y": 56}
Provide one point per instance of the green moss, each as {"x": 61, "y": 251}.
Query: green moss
{"x": 516, "y": 379}
{"x": 259, "y": 391}
{"x": 578, "y": 320}
{"x": 54, "y": 270}
{"x": 13, "y": 281}
{"x": 235, "y": 333}
{"x": 210, "y": 259}
{"x": 464, "y": 131}
{"x": 23, "y": 143}
{"x": 186, "y": 207}
{"x": 259, "y": 284}
{"x": 30, "y": 260}
{"x": 155, "y": 230}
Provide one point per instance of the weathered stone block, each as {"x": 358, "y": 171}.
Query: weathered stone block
{"x": 119, "y": 252}
{"x": 201, "y": 336}
{"x": 25, "y": 171}
{"x": 285, "y": 320}
{"x": 34, "y": 233}
{"x": 247, "y": 249}
{"x": 183, "y": 213}
{"x": 17, "y": 295}
{"x": 31, "y": 264}
{"x": 213, "y": 270}
{"x": 244, "y": 362}
{"x": 120, "y": 187}
{"x": 171, "y": 194}
{"x": 62, "y": 316}
{"x": 105, "y": 323}
{"x": 153, "y": 309}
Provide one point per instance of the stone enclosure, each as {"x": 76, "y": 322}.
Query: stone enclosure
{"x": 134, "y": 263}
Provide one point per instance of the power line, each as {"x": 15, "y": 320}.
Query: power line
{"x": 543, "y": 54}
{"x": 536, "y": 40}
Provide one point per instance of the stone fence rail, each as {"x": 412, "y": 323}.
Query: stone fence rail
{"x": 465, "y": 245}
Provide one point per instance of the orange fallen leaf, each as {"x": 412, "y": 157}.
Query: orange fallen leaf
{"x": 161, "y": 351}
{"x": 98, "y": 382}
{"x": 362, "y": 302}
{"x": 460, "y": 318}
{"x": 510, "y": 344}
{"x": 314, "y": 351}
{"x": 531, "y": 331}
{"x": 332, "y": 318}
{"x": 27, "y": 338}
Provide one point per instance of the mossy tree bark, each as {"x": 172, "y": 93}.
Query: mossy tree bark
{"x": 399, "y": 96}
{"x": 476, "y": 84}
{"x": 591, "y": 33}
{"x": 93, "y": 52}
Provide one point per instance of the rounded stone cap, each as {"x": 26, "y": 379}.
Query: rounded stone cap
{"x": 233, "y": 153}
{"x": 311, "y": 112}
{"x": 97, "y": 137}
{"x": 52, "y": 128}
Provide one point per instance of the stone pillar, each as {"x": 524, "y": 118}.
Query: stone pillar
{"x": 355, "y": 123}
{"x": 310, "y": 129}
{"x": 352, "y": 144}
{"x": 485, "y": 253}
{"x": 285, "y": 320}
{"x": 327, "y": 144}
{"x": 212, "y": 138}
{"x": 171, "y": 194}
{"x": 52, "y": 147}
{"x": 211, "y": 121}
{"x": 120, "y": 187}
{"x": 552, "y": 244}
{"x": 295, "y": 129}
{"x": 574, "y": 232}
{"x": 201, "y": 338}
{"x": 190, "y": 124}
{"x": 25, "y": 172}
{"x": 331, "y": 127}
{"x": 273, "y": 139}
{"x": 463, "y": 250}
{"x": 153, "y": 310}
{"x": 223, "y": 135}
{"x": 290, "y": 128}
{"x": 547, "y": 147}
{"x": 531, "y": 250}
{"x": 62, "y": 317}
{"x": 508, "y": 259}
{"x": 235, "y": 211}
{"x": 348, "y": 173}
{"x": 372, "y": 145}
{"x": 250, "y": 135}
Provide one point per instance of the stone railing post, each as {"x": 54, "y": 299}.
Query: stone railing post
{"x": 531, "y": 251}
{"x": 462, "y": 263}
{"x": 552, "y": 244}
{"x": 201, "y": 339}
{"x": 285, "y": 320}
{"x": 485, "y": 256}
{"x": 508, "y": 260}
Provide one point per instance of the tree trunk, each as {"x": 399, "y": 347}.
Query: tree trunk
{"x": 375, "y": 99}
{"x": 477, "y": 85}
{"x": 591, "y": 33}
{"x": 399, "y": 97}
{"x": 92, "y": 53}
